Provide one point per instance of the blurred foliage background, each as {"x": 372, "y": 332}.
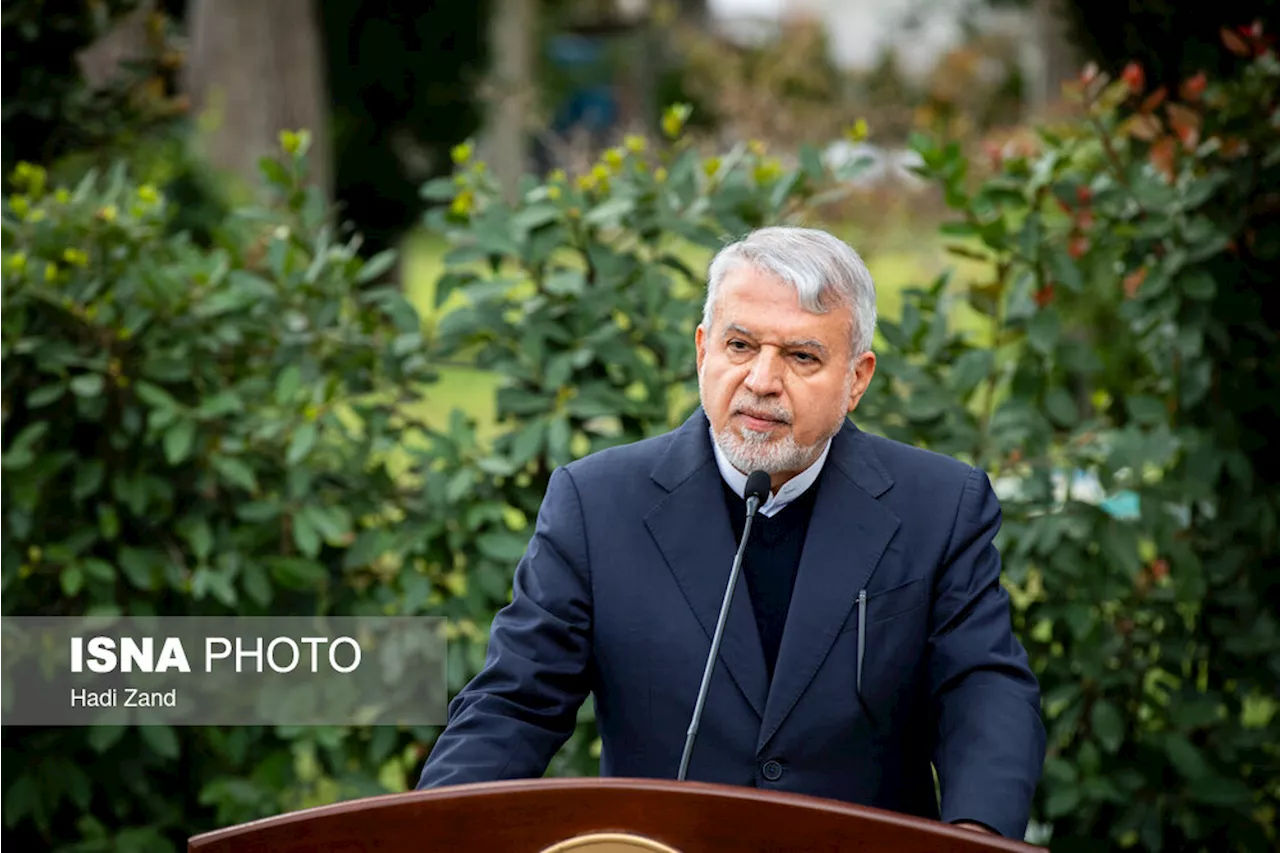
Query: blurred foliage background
{"x": 304, "y": 302}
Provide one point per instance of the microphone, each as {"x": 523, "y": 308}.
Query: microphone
{"x": 756, "y": 492}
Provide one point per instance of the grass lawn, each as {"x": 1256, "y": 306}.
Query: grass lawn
{"x": 896, "y": 265}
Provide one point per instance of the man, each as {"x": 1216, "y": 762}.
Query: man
{"x": 868, "y": 639}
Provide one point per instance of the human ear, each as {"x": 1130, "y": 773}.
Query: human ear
{"x": 864, "y": 367}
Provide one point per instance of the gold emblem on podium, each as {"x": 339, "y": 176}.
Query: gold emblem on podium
{"x": 609, "y": 842}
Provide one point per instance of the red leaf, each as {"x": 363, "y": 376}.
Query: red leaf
{"x": 1162, "y": 156}
{"x": 1193, "y": 87}
{"x": 1154, "y": 99}
{"x": 1133, "y": 281}
{"x": 1143, "y": 126}
{"x": 1235, "y": 43}
{"x": 1134, "y": 77}
{"x": 1185, "y": 122}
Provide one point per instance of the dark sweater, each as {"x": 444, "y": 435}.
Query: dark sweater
{"x": 770, "y": 562}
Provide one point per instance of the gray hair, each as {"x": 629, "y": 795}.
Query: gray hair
{"x": 825, "y": 271}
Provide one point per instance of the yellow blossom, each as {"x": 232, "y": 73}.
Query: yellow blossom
{"x": 75, "y": 257}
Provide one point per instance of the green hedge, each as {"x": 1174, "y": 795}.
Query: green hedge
{"x": 228, "y": 429}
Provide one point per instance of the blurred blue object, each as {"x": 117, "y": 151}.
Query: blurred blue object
{"x": 591, "y": 104}
{"x": 1123, "y": 505}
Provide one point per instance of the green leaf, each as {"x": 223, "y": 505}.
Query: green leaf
{"x": 1043, "y": 330}
{"x": 178, "y": 441}
{"x": 1185, "y": 757}
{"x": 970, "y": 369}
{"x": 1065, "y": 270}
{"x": 1060, "y": 406}
{"x": 89, "y": 479}
{"x": 926, "y": 404}
{"x": 565, "y": 282}
{"x": 1223, "y": 792}
{"x": 439, "y": 189}
{"x": 296, "y": 572}
{"x": 1062, "y": 800}
{"x": 22, "y": 452}
{"x": 46, "y": 395}
{"x": 304, "y": 438}
{"x": 287, "y": 384}
{"x": 811, "y": 163}
{"x": 305, "y": 534}
{"x": 235, "y": 472}
{"x": 256, "y": 584}
{"x": 1146, "y": 409}
{"x": 502, "y": 546}
{"x": 1198, "y": 284}
{"x": 102, "y": 738}
{"x": 376, "y": 266}
{"x": 98, "y": 570}
{"x": 274, "y": 172}
{"x": 87, "y": 385}
{"x": 611, "y": 212}
{"x": 72, "y": 581}
{"x": 1079, "y": 617}
{"x": 528, "y": 442}
{"x": 1108, "y": 725}
{"x": 138, "y": 566}
{"x": 20, "y": 799}
{"x": 161, "y": 740}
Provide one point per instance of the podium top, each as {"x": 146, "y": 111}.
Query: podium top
{"x": 589, "y": 815}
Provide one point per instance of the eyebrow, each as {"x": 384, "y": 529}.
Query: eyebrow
{"x": 807, "y": 343}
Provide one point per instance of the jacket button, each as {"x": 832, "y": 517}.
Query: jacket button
{"x": 771, "y": 770}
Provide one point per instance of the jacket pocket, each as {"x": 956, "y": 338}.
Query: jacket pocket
{"x": 883, "y": 604}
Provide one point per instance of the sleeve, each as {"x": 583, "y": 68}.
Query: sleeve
{"x": 990, "y": 745}
{"x": 510, "y": 720}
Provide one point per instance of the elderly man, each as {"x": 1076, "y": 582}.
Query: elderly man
{"x": 869, "y": 640}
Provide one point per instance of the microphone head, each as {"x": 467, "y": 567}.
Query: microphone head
{"x": 758, "y": 483}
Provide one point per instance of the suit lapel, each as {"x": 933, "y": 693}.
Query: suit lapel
{"x": 847, "y": 536}
{"x": 691, "y": 527}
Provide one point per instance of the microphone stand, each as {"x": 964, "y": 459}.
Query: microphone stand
{"x": 753, "y": 503}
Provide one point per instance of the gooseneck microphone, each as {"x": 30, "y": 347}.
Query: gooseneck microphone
{"x": 756, "y": 492}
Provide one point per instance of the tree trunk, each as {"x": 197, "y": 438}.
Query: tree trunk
{"x": 255, "y": 69}
{"x": 513, "y": 32}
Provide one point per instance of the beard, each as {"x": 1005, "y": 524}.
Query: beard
{"x": 752, "y": 450}
{"x": 749, "y": 450}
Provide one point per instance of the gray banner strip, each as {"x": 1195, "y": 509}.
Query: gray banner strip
{"x": 224, "y": 671}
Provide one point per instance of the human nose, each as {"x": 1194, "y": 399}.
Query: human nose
{"x": 765, "y": 376}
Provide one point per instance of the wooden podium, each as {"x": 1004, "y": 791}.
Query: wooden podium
{"x": 589, "y": 815}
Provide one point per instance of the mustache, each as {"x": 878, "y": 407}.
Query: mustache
{"x": 762, "y": 409}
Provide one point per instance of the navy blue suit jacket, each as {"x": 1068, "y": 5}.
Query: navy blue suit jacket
{"x": 618, "y": 597}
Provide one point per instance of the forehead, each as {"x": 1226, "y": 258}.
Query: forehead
{"x": 766, "y": 307}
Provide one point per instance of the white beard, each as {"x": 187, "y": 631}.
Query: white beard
{"x": 749, "y": 450}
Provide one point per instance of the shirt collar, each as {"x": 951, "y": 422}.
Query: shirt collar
{"x": 778, "y": 500}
